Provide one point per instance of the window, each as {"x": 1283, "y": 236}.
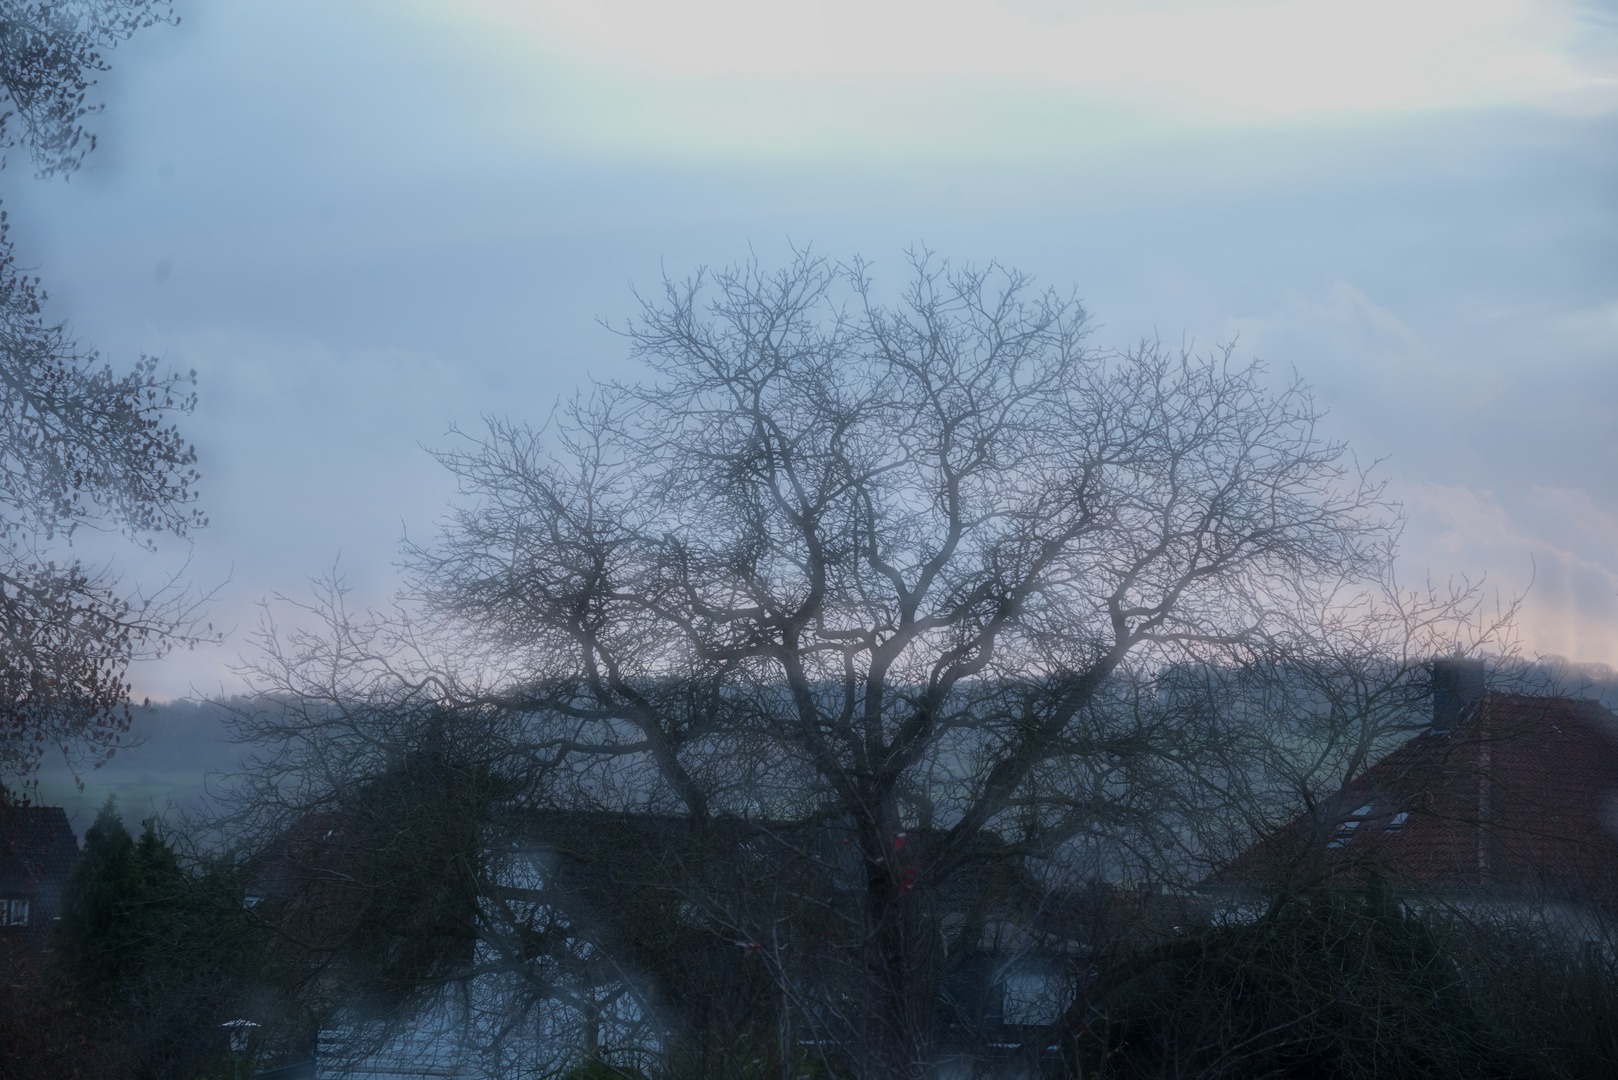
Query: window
{"x": 1396, "y": 823}
{"x": 13, "y": 913}
{"x": 1033, "y": 998}
{"x": 1345, "y": 831}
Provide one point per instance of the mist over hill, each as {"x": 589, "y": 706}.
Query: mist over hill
{"x": 173, "y": 757}
{"x": 179, "y": 755}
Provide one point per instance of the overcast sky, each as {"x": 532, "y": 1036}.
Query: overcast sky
{"x": 364, "y": 222}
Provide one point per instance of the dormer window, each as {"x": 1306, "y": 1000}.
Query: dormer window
{"x": 1396, "y": 823}
{"x": 1345, "y": 831}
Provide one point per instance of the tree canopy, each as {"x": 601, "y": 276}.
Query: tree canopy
{"x": 924, "y": 576}
{"x": 82, "y": 446}
{"x": 50, "y": 52}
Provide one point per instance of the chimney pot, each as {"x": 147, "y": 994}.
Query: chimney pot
{"x": 1457, "y": 688}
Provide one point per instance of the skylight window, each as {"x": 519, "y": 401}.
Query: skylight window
{"x": 1397, "y": 822}
{"x": 1345, "y": 831}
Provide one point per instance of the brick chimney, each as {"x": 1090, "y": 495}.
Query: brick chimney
{"x": 1457, "y": 688}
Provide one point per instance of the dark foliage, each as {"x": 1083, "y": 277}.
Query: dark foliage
{"x": 1559, "y": 1006}
{"x": 1332, "y": 986}
{"x": 157, "y": 954}
{"x": 45, "y": 1033}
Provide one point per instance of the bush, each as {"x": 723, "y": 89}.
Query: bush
{"x": 158, "y": 953}
{"x": 1333, "y": 987}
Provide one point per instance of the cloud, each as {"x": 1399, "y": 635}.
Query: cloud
{"x": 1561, "y": 540}
{"x": 1263, "y": 58}
{"x": 1596, "y": 324}
{"x": 1590, "y": 525}
{"x": 1349, "y": 310}
{"x": 1364, "y": 360}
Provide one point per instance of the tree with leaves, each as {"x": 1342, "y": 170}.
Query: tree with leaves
{"x": 50, "y": 52}
{"x": 82, "y": 446}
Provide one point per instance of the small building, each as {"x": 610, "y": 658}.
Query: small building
{"x": 1507, "y": 801}
{"x": 1019, "y": 946}
{"x": 37, "y": 853}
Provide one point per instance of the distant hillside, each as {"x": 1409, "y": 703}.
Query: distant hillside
{"x": 1598, "y": 681}
{"x": 177, "y": 745}
{"x": 172, "y": 749}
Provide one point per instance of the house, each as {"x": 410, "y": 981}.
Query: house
{"x": 37, "y": 852}
{"x": 1506, "y": 800}
{"x": 590, "y": 916}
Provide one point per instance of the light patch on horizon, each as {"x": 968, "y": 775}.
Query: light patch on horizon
{"x": 707, "y": 65}
{"x": 1570, "y": 598}
{"x": 1552, "y": 541}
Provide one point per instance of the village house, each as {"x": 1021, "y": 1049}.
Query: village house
{"x": 1506, "y": 805}
{"x": 37, "y": 853}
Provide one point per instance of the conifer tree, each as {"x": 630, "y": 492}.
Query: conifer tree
{"x": 95, "y": 902}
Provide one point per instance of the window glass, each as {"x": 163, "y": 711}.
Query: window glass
{"x": 1032, "y": 998}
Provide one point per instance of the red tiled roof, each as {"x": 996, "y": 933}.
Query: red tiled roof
{"x": 1522, "y": 795}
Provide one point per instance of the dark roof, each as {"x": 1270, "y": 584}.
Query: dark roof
{"x": 37, "y": 852}
{"x": 1519, "y": 796}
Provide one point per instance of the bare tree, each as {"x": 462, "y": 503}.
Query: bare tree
{"x": 1340, "y": 679}
{"x": 405, "y": 858}
{"x": 888, "y": 564}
